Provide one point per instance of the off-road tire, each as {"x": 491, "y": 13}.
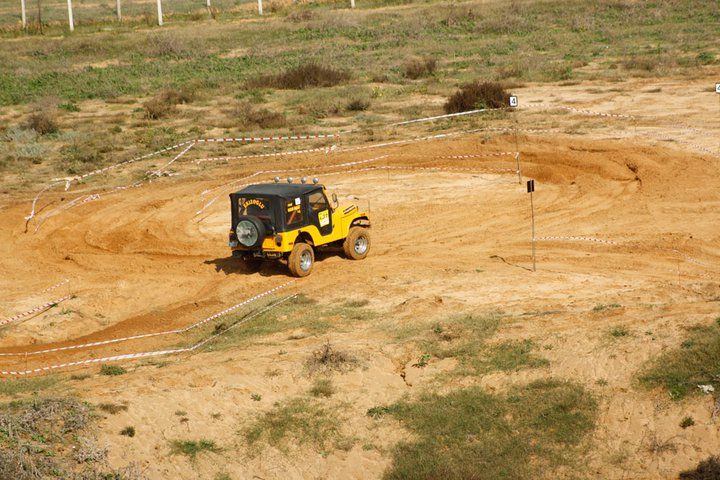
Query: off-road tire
{"x": 354, "y": 250}
{"x": 298, "y": 259}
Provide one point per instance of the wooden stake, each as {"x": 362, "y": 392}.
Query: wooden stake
{"x": 71, "y": 22}
{"x": 260, "y": 7}
{"x": 24, "y": 14}
{"x": 159, "y": 12}
{"x": 118, "y": 10}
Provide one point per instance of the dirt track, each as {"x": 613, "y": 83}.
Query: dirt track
{"x": 143, "y": 261}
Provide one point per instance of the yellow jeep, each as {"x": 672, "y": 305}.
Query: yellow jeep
{"x": 290, "y": 221}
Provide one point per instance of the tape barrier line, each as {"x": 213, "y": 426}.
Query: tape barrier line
{"x": 155, "y": 334}
{"x": 129, "y": 356}
{"x": 162, "y": 170}
{"x": 261, "y": 155}
{"x": 57, "y": 285}
{"x": 440, "y": 117}
{"x": 581, "y": 111}
{"x": 34, "y": 310}
{"x": 576, "y": 239}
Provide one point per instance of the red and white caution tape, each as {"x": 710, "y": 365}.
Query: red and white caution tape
{"x": 155, "y": 334}
{"x": 130, "y": 356}
{"x": 319, "y": 136}
{"x": 577, "y": 110}
{"x": 35, "y": 310}
{"x": 576, "y": 239}
{"x": 159, "y": 172}
{"x": 440, "y": 117}
{"x": 262, "y": 155}
{"x": 57, "y": 285}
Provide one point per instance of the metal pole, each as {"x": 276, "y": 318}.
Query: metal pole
{"x": 24, "y": 14}
{"x": 71, "y": 23}
{"x": 517, "y": 163}
{"x": 118, "y": 10}
{"x": 532, "y": 210}
{"x": 159, "y": 8}
{"x": 260, "y": 7}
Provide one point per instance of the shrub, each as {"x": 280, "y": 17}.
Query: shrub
{"x": 164, "y": 103}
{"x": 112, "y": 408}
{"x": 477, "y": 95}
{"x": 310, "y": 74}
{"x": 156, "y": 108}
{"x": 328, "y": 358}
{"x": 249, "y": 116}
{"x": 687, "y": 422}
{"x": 112, "y": 370}
{"x": 419, "y": 67}
{"x": 358, "y": 105}
{"x": 43, "y": 121}
{"x": 128, "y": 431}
{"x": 322, "y": 387}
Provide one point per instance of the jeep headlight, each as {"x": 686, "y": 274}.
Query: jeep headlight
{"x": 247, "y": 233}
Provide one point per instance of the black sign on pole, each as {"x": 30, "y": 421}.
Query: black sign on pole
{"x": 530, "y": 186}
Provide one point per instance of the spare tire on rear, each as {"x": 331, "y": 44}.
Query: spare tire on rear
{"x": 250, "y": 231}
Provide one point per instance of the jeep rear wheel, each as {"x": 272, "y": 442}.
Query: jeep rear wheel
{"x": 357, "y": 243}
{"x": 301, "y": 260}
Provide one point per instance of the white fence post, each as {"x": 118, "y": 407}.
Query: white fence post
{"x": 352, "y": 3}
{"x": 24, "y": 14}
{"x": 118, "y": 10}
{"x": 71, "y": 23}
{"x": 159, "y": 5}
{"x": 260, "y": 7}
{"x": 208, "y": 4}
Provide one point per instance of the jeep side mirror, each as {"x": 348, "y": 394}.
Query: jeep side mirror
{"x": 334, "y": 197}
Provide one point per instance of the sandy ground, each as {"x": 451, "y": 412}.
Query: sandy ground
{"x": 444, "y": 241}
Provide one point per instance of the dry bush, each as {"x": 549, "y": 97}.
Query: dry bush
{"x": 167, "y": 45}
{"x": 310, "y": 74}
{"x": 708, "y": 469}
{"x": 477, "y": 95}
{"x": 327, "y": 358}
{"x": 358, "y": 105}
{"x": 298, "y": 16}
{"x": 248, "y": 116}
{"x": 43, "y": 120}
{"x": 419, "y": 67}
{"x": 163, "y": 104}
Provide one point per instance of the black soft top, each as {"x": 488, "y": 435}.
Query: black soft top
{"x": 285, "y": 190}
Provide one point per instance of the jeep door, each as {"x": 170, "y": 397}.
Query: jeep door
{"x": 319, "y": 211}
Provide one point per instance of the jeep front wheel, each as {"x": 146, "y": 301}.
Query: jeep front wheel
{"x": 357, "y": 243}
{"x": 301, "y": 260}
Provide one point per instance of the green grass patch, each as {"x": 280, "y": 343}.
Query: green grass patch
{"x": 19, "y": 386}
{"x": 696, "y": 361}
{"x": 508, "y": 356}
{"x": 323, "y": 387}
{"x": 192, "y": 448}
{"x": 471, "y": 434}
{"x": 601, "y": 307}
{"x": 296, "y": 421}
{"x": 298, "y": 313}
{"x": 466, "y": 339}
